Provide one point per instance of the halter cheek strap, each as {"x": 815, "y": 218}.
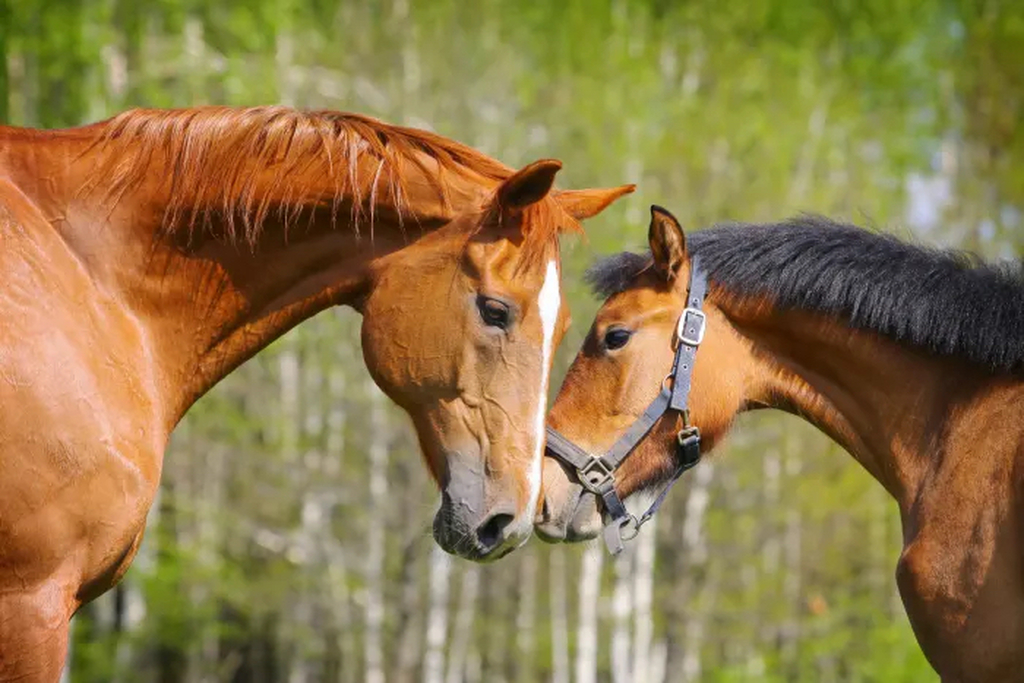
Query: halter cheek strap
{"x": 597, "y": 473}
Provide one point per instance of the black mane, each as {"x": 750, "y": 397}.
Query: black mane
{"x": 949, "y": 302}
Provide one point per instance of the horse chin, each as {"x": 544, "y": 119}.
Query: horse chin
{"x": 549, "y": 532}
{"x": 587, "y": 522}
{"x": 582, "y": 521}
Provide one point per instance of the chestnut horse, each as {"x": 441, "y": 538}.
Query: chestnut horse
{"x": 911, "y": 359}
{"x": 145, "y": 257}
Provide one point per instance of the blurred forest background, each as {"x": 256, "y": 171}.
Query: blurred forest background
{"x": 291, "y": 539}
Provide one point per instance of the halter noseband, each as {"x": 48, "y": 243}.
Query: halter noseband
{"x": 597, "y": 474}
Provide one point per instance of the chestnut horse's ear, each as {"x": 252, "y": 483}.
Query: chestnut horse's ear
{"x": 668, "y": 244}
{"x": 528, "y": 185}
{"x": 584, "y": 204}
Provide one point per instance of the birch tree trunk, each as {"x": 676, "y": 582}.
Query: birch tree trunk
{"x": 792, "y": 542}
{"x": 130, "y": 18}
{"x": 410, "y": 615}
{"x": 474, "y": 667}
{"x": 340, "y": 612}
{"x": 657, "y": 665}
{"x": 437, "y": 621}
{"x": 337, "y": 561}
{"x": 289, "y": 373}
{"x": 621, "y": 607}
{"x": 195, "y": 59}
{"x": 373, "y": 649}
{"x": 771, "y": 548}
{"x": 462, "y": 629}
{"x": 284, "y": 53}
{"x": 559, "y": 620}
{"x": 643, "y": 593}
{"x": 526, "y": 617}
{"x": 497, "y": 650}
{"x": 314, "y": 531}
{"x": 586, "y": 630}
{"x": 695, "y": 554}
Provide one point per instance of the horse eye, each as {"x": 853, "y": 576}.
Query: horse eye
{"x": 494, "y": 313}
{"x": 616, "y": 338}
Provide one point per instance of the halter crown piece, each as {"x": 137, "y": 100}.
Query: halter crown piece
{"x": 597, "y": 473}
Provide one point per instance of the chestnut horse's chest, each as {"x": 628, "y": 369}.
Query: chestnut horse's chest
{"x": 78, "y": 468}
{"x": 81, "y": 441}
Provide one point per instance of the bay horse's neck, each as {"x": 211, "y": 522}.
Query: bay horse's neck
{"x": 205, "y": 304}
{"x": 887, "y": 404}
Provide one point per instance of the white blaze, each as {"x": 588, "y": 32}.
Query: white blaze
{"x": 548, "y": 303}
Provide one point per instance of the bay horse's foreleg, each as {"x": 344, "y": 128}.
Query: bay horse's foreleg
{"x": 34, "y": 634}
{"x": 965, "y": 601}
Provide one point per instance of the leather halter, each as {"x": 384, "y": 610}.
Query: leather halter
{"x": 597, "y": 474}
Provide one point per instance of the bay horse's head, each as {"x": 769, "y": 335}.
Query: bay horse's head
{"x": 623, "y": 366}
{"x": 459, "y": 328}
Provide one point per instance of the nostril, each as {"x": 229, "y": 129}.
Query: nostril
{"x": 489, "y": 534}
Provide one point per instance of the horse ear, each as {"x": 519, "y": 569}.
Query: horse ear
{"x": 668, "y": 243}
{"x": 584, "y": 204}
{"x": 528, "y": 185}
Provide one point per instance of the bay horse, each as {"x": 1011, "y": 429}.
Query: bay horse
{"x": 145, "y": 257}
{"x": 910, "y": 358}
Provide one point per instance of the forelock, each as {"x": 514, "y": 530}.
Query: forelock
{"x": 613, "y": 274}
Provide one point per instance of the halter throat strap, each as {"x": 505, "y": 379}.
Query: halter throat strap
{"x": 597, "y": 473}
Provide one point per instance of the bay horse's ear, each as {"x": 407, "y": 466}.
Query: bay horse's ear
{"x": 528, "y": 185}
{"x": 668, "y": 244}
{"x": 584, "y": 204}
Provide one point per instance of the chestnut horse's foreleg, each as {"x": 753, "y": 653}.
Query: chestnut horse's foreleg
{"x": 34, "y": 634}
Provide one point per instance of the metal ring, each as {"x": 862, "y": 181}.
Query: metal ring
{"x": 629, "y": 528}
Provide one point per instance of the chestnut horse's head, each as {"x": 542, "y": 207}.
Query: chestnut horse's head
{"x": 459, "y": 328}
{"x": 621, "y": 368}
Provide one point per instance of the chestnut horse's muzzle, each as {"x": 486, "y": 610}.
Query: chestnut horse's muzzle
{"x": 475, "y": 523}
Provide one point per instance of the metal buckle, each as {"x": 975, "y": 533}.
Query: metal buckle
{"x": 689, "y": 446}
{"x": 681, "y": 327}
{"x": 595, "y": 476}
{"x": 688, "y": 433}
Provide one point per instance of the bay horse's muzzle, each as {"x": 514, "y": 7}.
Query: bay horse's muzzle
{"x": 582, "y": 522}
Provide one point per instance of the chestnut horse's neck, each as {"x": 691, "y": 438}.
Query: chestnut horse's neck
{"x": 887, "y": 404}
{"x": 213, "y": 267}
